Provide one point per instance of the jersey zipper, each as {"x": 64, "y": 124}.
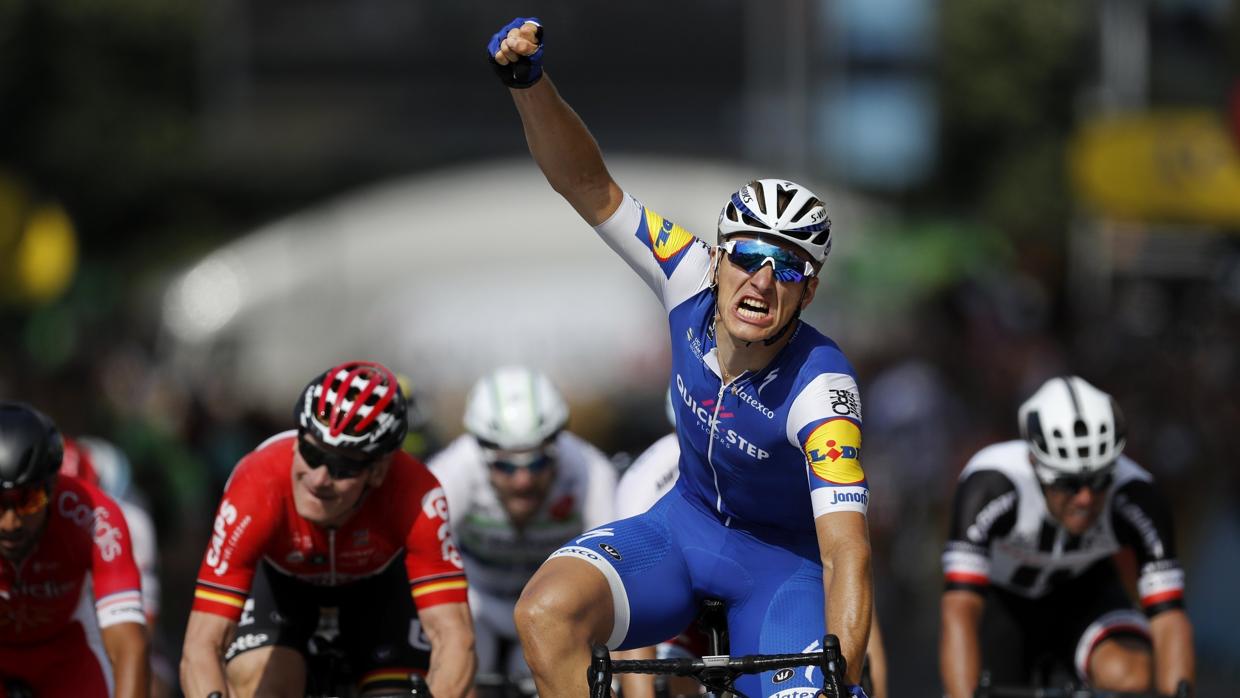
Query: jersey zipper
{"x": 710, "y": 445}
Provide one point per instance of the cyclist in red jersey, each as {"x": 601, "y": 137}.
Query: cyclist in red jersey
{"x": 323, "y": 517}
{"x": 55, "y": 533}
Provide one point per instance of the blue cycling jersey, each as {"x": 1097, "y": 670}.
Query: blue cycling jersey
{"x": 772, "y": 449}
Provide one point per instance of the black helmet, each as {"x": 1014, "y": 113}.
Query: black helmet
{"x": 30, "y": 446}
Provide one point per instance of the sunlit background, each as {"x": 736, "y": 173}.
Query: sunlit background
{"x": 203, "y": 204}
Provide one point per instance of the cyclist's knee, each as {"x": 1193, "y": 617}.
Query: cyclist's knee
{"x": 1121, "y": 664}
{"x": 566, "y": 600}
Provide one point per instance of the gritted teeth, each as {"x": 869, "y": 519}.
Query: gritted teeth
{"x": 752, "y": 308}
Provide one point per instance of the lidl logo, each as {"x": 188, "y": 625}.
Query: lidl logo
{"x": 665, "y": 239}
{"x": 833, "y": 450}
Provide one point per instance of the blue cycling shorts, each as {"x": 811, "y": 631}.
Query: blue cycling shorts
{"x": 660, "y": 564}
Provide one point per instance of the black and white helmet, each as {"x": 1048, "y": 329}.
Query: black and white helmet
{"x": 1072, "y": 427}
{"x": 777, "y": 208}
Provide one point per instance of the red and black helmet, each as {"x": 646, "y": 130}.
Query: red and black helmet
{"x": 356, "y": 406}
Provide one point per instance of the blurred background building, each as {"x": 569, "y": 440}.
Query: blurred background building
{"x": 204, "y": 203}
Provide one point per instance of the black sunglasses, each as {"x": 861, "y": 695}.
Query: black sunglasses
{"x": 1071, "y": 484}
{"x": 338, "y": 467}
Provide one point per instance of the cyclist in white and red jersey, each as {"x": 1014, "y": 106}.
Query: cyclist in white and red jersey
{"x": 332, "y": 515}
{"x": 1029, "y": 557}
{"x": 518, "y": 484}
{"x": 769, "y": 512}
{"x": 71, "y": 621}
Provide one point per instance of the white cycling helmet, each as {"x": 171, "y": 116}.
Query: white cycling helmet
{"x": 777, "y": 208}
{"x": 514, "y": 409}
{"x": 112, "y": 466}
{"x": 1071, "y": 427}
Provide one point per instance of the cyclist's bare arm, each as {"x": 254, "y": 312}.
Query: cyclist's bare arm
{"x": 202, "y": 656}
{"x": 844, "y": 545}
{"x": 127, "y": 650}
{"x": 1172, "y": 634}
{"x": 636, "y": 685}
{"x": 450, "y": 629}
{"x": 560, "y": 143}
{"x": 959, "y": 652}
{"x": 876, "y": 654}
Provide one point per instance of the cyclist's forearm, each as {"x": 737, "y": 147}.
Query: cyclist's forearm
{"x": 565, "y": 151}
{"x": 127, "y": 649}
{"x": 1172, "y": 634}
{"x": 452, "y": 670}
{"x": 876, "y": 655}
{"x": 636, "y": 685}
{"x": 849, "y": 594}
{"x": 959, "y": 650}
{"x": 202, "y": 673}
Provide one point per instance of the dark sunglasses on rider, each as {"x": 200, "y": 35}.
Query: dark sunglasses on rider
{"x": 751, "y": 255}
{"x": 508, "y": 465}
{"x": 1071, "y": 484}
{"x": 338, "y": 467}
{"x": 23, "y": 500}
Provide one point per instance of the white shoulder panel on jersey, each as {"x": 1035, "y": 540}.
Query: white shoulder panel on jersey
{"x": 1127, "y": 470}
{"x": 816, "y": 401}
{"x": 650, "y": 477}
{"x": 673, "y": 272}
{"x": 1011, "y": 458}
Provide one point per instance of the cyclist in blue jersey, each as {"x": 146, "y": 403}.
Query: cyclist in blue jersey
{"x": 768, "y": 513}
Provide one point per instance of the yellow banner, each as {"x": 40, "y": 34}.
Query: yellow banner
{"x": 1177, "y": 166}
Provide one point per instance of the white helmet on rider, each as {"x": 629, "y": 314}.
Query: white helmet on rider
{"x": 777, "y": 208}
{"x": 1072, "y": 428}
{"x": 514, "y": 408}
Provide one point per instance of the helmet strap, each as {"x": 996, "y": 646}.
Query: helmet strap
{"x": 791, "y": 321}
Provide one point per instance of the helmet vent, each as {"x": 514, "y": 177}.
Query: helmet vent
{"x": 805, "y": 208}
{"x": 1079, "y": 428}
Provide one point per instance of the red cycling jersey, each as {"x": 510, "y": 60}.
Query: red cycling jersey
{"x": 85, "y": 535}
{"x": 257, "y": 521}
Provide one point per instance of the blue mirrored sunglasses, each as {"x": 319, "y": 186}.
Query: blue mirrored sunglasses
{"x": 507, "y": 464}
{"x": 750, "y": 255}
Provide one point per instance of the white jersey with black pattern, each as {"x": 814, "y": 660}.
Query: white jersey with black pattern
{"x": 1003, "y": 534}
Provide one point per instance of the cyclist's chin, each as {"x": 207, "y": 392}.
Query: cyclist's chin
{"x": 751, "y": 330}
{"x": 321, "y": 511}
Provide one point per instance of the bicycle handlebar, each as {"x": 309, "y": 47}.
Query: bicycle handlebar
{"x": 718, "y": 672}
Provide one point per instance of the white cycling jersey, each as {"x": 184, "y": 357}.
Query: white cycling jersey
{"x": 142, "y": 536}
{"x": 651, "y": 476}
{"x": 1002, "y": 534}
{"x": 499, "y": 558}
